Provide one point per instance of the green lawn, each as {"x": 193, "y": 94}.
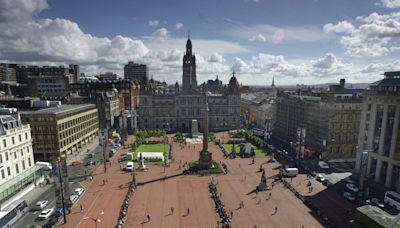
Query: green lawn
{"x": 159, "y": 147}
{"x": 257, "y": 151}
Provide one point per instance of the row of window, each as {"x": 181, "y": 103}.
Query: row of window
{"x": 21, "y": 151}
{"x": 13, "y": 141}
{"x": 17, "y": 170}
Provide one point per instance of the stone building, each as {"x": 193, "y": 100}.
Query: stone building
{"x": 128, "y": 90}
{"x": 59, "y": 131}
{"x": 18, "y": 172}
{"x": 329, "y": 120}
{"x": 136, "y": 72}
{"x": 379, "y": 131}
{"x": 174, "y": 110}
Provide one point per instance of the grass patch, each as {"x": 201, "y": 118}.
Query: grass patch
{"x": 158, "y": 147}
{"x": 194, "y": 169}
{"x": 259, "y": 152}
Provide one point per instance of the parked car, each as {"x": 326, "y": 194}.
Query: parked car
{"x": 45, "y": 214}
{"x": 90, "y": 162}
{"x": 52, "y": 222}
{"x": 59, "y": 211}
{"x": 349, "y": 196}
{"x": 323, "y": 165}
{"x": 376, "y": 202}
{"x": 41, "y": 204}
{"x": 320, "y": 178}
{"x": 76, "y": 163}
{"x": 352, "y": 187}
{"x": 78, "y": 191}
{"x": 74, "y": 198}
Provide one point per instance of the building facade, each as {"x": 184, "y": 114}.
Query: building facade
{"x": 175, "y": 110}
{"x": 327, "y": 121}
{"x": 8, "y": 72}
{"x": 128, "y": 90}
{"x": 62, "y": 130}
{"x": 39, "y": 85}
{"x": 17, "y": 167}
{"x": 107, "y": 104}
{"x": 379, "y": 134}
{"x": 136, "y": 72}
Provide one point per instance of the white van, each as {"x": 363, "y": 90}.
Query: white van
{"x": 129, "y": 166}
{"x": 290, "y": 172}
{"x": 46, "y": 165}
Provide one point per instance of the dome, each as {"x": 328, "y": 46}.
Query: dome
{"x": 233, "y": 81}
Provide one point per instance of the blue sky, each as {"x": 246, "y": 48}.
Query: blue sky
{"x": 302, "y": 41}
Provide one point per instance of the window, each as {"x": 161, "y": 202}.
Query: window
{"x": 15, "y": 155}
{"x": 26, "y": 135}
{"x": 6, "y": 156}
{"x": 20, "y": 138}
{"x": 23, "y": 165}
{"x": 16, "y": 168}
{"x": 22, "y": 152}
{"x": 13, "y": 140}
{"x": 8, "y": 171}
{"x": 29, "y": 162}
{"x": 369, "y": 107}
{"x": 2, "y": 174}
{"x": 4, "y": 143}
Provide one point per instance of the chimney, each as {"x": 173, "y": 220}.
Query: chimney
{"x": 342, "y": 82}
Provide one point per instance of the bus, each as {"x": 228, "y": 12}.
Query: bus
{"x": 13, "y": 212}
{"x": 393, "y": 199}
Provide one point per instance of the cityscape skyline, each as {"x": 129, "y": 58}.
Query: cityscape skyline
{"x": 276, "y": 39}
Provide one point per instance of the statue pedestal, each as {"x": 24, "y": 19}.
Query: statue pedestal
{"x": 205, "y": 159}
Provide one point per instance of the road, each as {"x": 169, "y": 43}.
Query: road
{"x": 30, "y": 218}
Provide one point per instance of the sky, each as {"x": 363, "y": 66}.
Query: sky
{"x": 297, "y": 42}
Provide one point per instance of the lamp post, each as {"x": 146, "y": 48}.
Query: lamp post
{"x": 62, "y": 190}
{"x": 332, "y": 142}
{"x": 95, "y": 220}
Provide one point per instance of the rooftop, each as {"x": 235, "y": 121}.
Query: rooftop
{"x": 61, "y": 110}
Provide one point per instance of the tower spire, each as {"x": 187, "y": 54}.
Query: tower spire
{"x": 188, "y": 34}
{"x": 273, "y": 81}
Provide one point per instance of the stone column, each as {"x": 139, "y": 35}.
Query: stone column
{"x": 368, "y": 166}
{"x": 389, "y": 175}
{"x": 394, "y": 132}
{"x": 378, "y": 170}
{"x": 383, "y": 129}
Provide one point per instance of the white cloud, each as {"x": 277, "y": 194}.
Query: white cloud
{"x": 178, "y": 26}
{"x": 161, "y": 33}
{"x": 153, "y": 23}
{"x": 373, "y": 36}
{"x": 216, "y": 58}
{"x": 258, "y": 37}
{"x": 341, "y": 27}
{"x": 274, "y": 34}
{"x": 391, "y": 3}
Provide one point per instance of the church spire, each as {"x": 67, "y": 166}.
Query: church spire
{"x": 189, "y": 45}
{"x": 273, "y": 81}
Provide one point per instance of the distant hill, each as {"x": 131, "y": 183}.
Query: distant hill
{"x": 324, "y": 85}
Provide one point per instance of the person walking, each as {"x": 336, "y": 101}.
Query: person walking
{"x": 81, "y": 207}
{"x": 172, "y": 210}
{"x": 188, "y": 211}
{"x": 148, "y": 217}
{"x": 276, "y": 210}
{"x": 270, "y": 194}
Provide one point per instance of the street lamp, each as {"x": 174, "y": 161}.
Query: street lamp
{"x": 95, "y": 220}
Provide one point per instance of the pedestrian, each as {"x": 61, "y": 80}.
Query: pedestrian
{"x": 148, "y": 217}
{"x": 81, "y": 207}
{"x": 188, "y": 211}
{"x": 91, "y": 178}
{"x": 231, "y": 214}
{"x": 85, "y": 172}
{"x": 276, "y": 210}
{"x": 270, "y": 195}
{"x": 69, "y": 211}
{"x": 172, "y": 210}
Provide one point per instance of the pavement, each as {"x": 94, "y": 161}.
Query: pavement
{"x": 158, "y": 196}
{"x": 101, "y": 201}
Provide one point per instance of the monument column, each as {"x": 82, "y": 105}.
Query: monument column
{"x": 205, "y": 158}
